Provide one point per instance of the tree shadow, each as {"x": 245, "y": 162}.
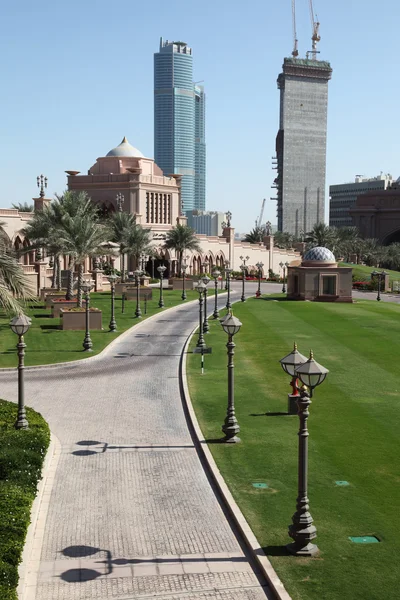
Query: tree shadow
{"x": 52, "y": 327}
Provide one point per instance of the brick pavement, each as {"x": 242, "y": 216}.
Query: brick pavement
{"x": 131, "y": 513}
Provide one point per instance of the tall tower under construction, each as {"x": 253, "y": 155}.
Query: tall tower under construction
{"x": 301, "y": 139}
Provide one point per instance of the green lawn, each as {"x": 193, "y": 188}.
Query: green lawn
{"x": 21, "y": 458}
{"x": 354, "y": 436}
{"x": 46, "y": 343}
{"x": 363, "y": 273}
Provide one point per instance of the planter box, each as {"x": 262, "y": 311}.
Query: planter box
{"x": 46, "y": 291}
{"x": 61, "y": 304}
{"x": 77, "y": 320}
{"x": 51, "y": 297}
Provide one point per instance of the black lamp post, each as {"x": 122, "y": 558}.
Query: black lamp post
{"x": 243, "y": 268}
{"x": 259, "y": 266}
{"x": 206, "y": 280}
{"x": 228, "y": 281}
{"x": 87, "y": 342}
{"x": 120, "y": 200}
{"x": 137, "y": 274}
{"x": 161, "y": 270}
{"x": 20, "y": 325}
{"x": 200, "y": 289}
{"x": 112, "y": 279}
{"x": 226, "y": 277}
{"x": 284, "y": 266}
{"x": 289, "y": 364}
{"x": 231, "y": 325}
{"x": 303, "y": 531}
{"x": 183, "y": 267}
{"x": 216, "y": 274}
{"x": 380, "y": 277}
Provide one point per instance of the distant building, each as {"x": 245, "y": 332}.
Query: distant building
{"x": 377, "y": 214}
{"x": 343, "y": 197}
{"x": 206, "y": 222}
{"x": 179, "y": 121}
{"x": 301, "y": 144}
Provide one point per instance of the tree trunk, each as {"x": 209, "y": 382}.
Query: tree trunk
{"x": 122, "y": 267}
{"x": 57, "y": 261}
{"x": 54, "y": 276}
{"x": 70, "y": 285}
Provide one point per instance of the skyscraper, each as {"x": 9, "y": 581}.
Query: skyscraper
{"x": 301, "y": 144}
{"x": 179, "y": 121}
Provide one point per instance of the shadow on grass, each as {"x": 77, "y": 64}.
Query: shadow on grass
{"x": 52, "y": 327}
{"x": 40, "y": 316}
{"x": 275, "y": 551}
{"x": 275, "y": 299}
{"x": 215, "y": 441}
{"x": 271, "y": 414}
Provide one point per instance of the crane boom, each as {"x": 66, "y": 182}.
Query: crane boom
{"x": 258, "y": 223}
{"x": 295, "y": 51}
{"x": 315, "y": 38}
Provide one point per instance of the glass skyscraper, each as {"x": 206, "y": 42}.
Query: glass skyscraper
{"x": 179, "y": 121}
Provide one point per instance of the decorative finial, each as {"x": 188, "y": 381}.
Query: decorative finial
{"x": 120, "y": 198}
{"x": 311, "y": 355}
{"x": 228, "y": 218}
{"x": 124, "y": 141}
{"x": 268, "y": 228}
{"x": 294, "y": 347}
{"x": 42, "y": 184}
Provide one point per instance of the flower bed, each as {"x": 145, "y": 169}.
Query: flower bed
{"x": 54, "y": 296}
{"x": 75, "y": 319}
{"x": 59, "y": 303}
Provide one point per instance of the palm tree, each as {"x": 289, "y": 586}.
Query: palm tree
{"x": 25, "y": 207}
{"x": 15, "y": 287}
{"x": 80, "y": 236}
{"x": 255, "y": 236}
{"x": 182, "y": 238}
{"x": 137, "y": 242}
{"x": 283, "y": 239}
{"x": 372, "y": 252}
{"x": 322, "y": 235}
{"x": 122, "y": 224}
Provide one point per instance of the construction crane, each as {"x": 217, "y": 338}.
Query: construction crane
{"x": 259, "y": 220}
{"x": 295, "y": 52}
{"x": 315, "y": 31}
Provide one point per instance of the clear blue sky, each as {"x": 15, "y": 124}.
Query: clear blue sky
{"x": 77, "y": 76}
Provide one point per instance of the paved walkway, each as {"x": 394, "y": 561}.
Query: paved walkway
{"x": 131, "y": 513}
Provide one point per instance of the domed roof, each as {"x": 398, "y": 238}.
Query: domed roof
{"x": 125, "y": 149}
{"x": 320, "y": 254}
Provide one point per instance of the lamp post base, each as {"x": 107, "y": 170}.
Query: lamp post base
{"x": 230, "y": 430}
{"x": 21, "y": 423}
{"x": 299, "y": 550}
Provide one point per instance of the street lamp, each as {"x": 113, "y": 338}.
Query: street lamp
{"x": 259, "y": 266}
{"x": 161, "y": 270}
{"x": 228, "y": 283}
{"x": 206, "y": 280}
{"x": 200, "y": 288}
{"x": 216, "y": 274}
{"x": 226, "y": 279}
{"x": 183, "y": 268}
{"x": 303, "y": 531}
{"x": 87, "y": 342}
{"x": 243, "y": 268}
{"x": 20, "y": 325}
{"x": 284, "y": 266}
{"x": 381, "y": 277}
{"x": 112, "y": 279}
{"x": 289, "y": 364}
{"x": 137, "y": 274}
{"x": 231, "y": 325}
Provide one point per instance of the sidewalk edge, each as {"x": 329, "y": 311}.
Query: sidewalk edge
{"x": 28, "y": 568}
{"x": 233, "y": 509}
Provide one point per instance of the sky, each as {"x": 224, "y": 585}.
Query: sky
{"x": 77, "y": 76}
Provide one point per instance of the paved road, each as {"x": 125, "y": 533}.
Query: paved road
{"x": 131, "y": 512}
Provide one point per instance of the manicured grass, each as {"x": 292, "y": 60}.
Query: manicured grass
{"x": 354, "y": 436}
{"x": 47, "y": 344}
{"x": 363, "y": 273}
{"x": 21, "y": 459}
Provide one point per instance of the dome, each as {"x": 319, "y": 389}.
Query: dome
{"x": 125, "y": 149}
{"x": 319, "y": 254}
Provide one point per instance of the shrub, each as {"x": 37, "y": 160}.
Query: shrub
{"x": 21, "y": 459}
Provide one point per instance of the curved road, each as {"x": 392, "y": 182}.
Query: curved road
{"x": 131, "y": 512}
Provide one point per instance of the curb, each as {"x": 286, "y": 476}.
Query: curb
{"x": 100, "y": 354}
{"x": 248, "y": 536}
{"x": 28, "y": 569}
